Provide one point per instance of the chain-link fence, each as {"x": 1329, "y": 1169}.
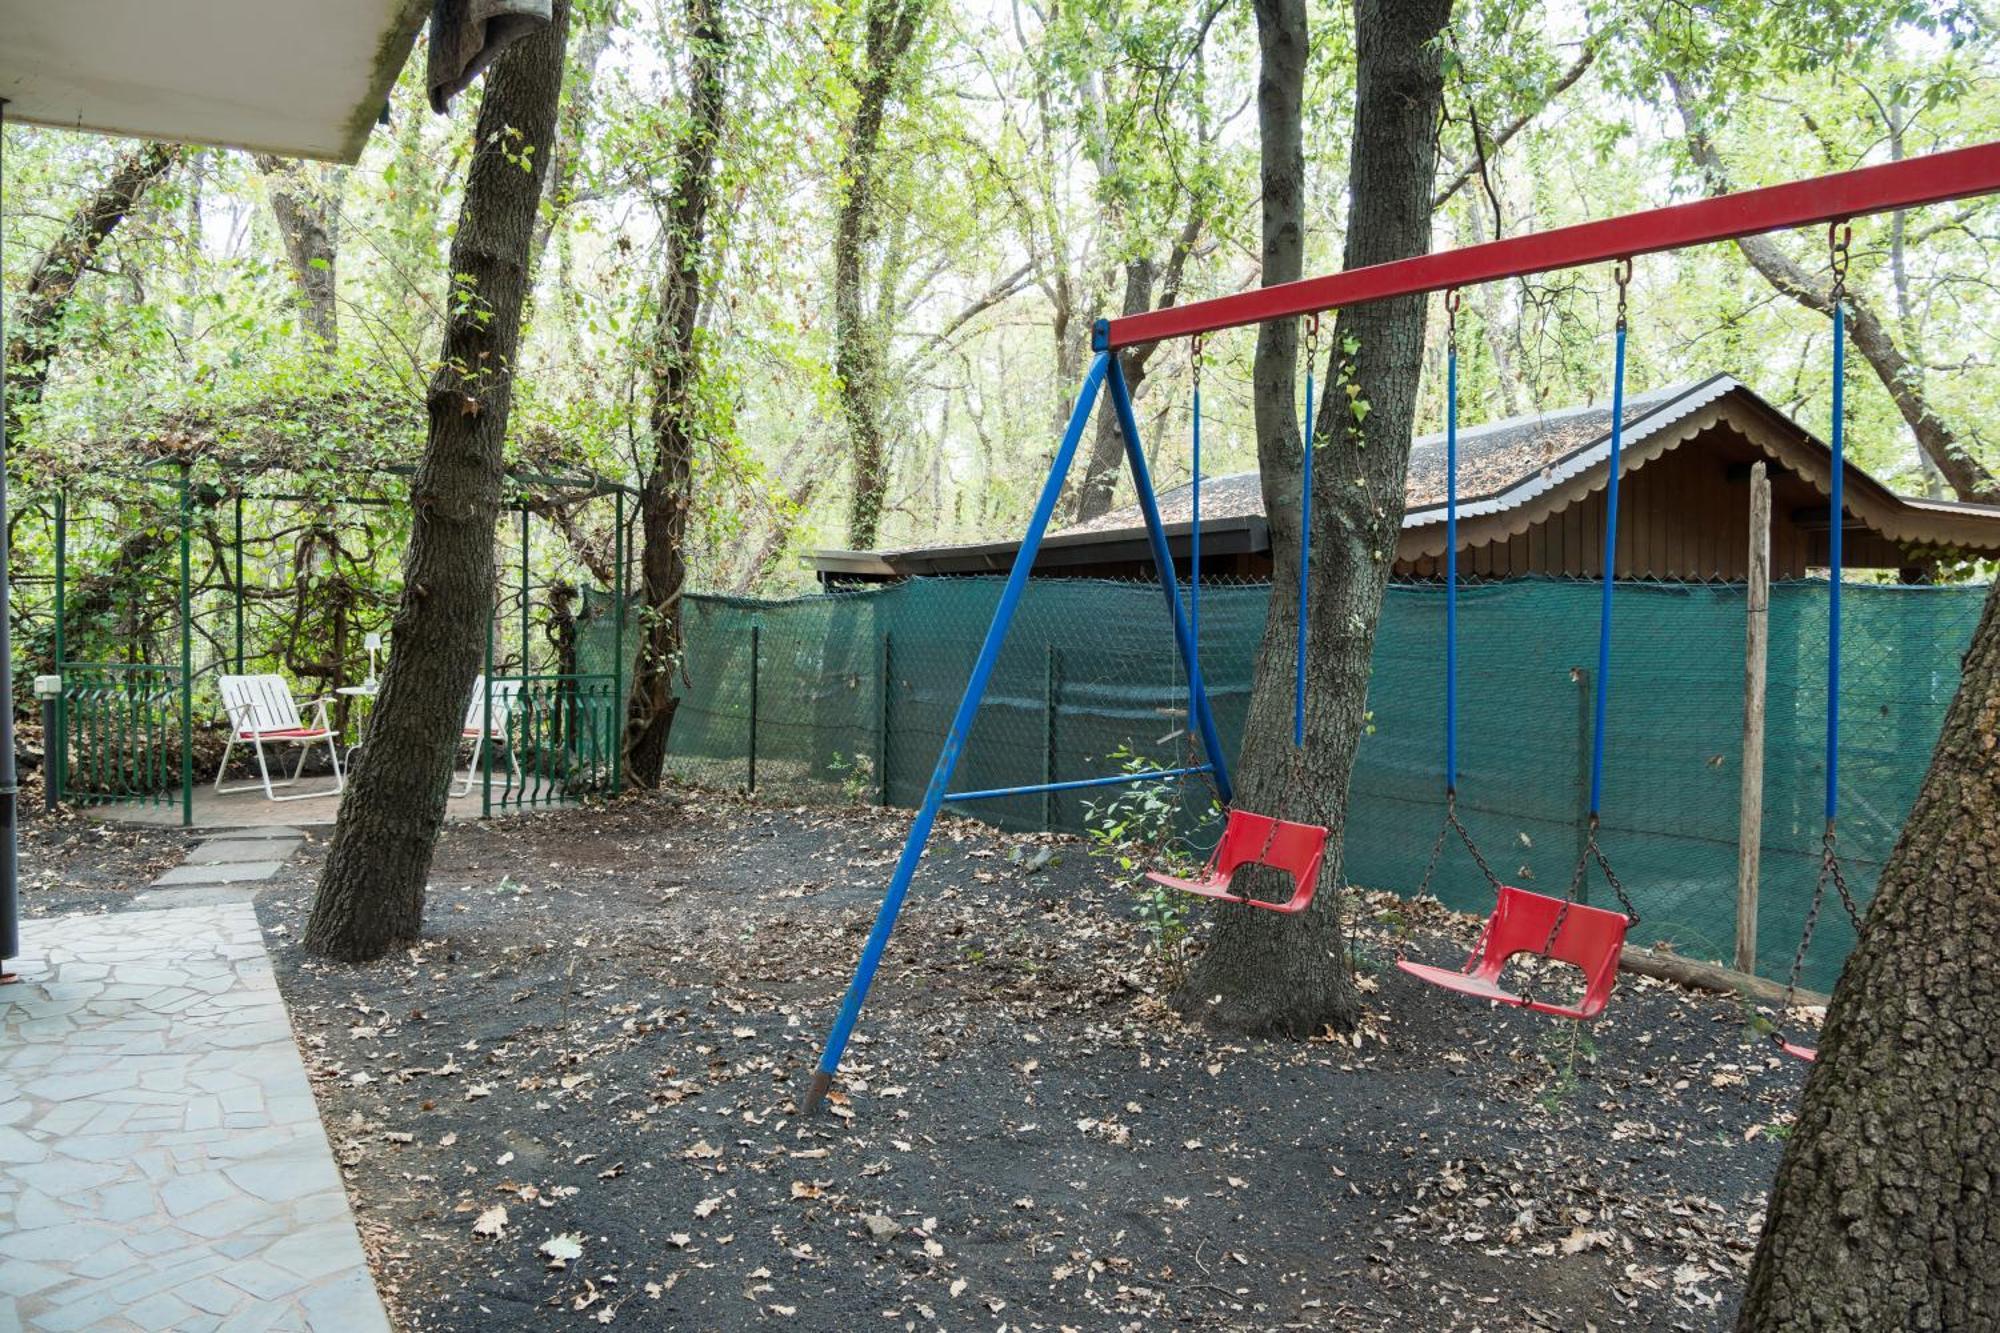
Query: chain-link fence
{"x": 849, "y": 696}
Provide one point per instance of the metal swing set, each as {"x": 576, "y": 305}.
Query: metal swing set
{"x": 1565, "y": 929}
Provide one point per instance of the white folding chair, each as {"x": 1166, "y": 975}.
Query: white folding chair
{"x": 261, "y": 709}
{"x": 483, "y": 731}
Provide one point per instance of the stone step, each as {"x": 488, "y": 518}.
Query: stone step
{"x": 194, "y": 895}
{"x": 222, "y": 851}
{"x": 237, "y": 872}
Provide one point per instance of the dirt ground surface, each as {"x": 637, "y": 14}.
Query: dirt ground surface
{"x": 70, "y": 863}
{"x": 576, "y": 1102}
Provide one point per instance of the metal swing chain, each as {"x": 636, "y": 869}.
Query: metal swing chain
{"x": 1839, "y": 235}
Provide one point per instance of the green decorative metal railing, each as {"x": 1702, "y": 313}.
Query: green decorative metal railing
{"x": 122, "y": 735}
{"x": 559, "y": 741}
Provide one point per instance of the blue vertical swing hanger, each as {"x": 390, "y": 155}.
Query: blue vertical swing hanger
{"x": 1839, "y": 236}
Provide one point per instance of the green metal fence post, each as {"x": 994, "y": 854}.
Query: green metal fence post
{"x": 1051, "y": 703}
{"x": 58, "y": 759}
{"x": 754, "y": 655}
{"x": 526, "y": 667}
{"x": 887, "y": 678}
{"x": 619, "y": 666}
{"x": 187, "y": 658}
{"x": 239, "y": 583}
{"x": 486, "y": 722}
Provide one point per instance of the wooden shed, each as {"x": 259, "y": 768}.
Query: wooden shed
{"x": 1531, "y": 501}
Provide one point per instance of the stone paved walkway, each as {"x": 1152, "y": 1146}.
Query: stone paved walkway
{"x": 162, "y": 1165}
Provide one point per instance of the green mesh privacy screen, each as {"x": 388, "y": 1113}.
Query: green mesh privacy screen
{"x": 853, "y": 693}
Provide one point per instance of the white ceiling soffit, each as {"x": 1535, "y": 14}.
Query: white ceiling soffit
{"x": 301, "y": 78}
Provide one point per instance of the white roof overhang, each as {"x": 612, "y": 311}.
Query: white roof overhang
{"x": 300, "y": 78}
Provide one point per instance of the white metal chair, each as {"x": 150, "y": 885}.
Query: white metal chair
{"x": 261, "y": 709}
{"x": 483, "y": 731}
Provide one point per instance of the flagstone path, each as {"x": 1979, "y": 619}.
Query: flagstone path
{"x": 162, "y": 1165}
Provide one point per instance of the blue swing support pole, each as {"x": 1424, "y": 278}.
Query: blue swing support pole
{"x": 1306, "y": 436}
{"x": 1103, "y": 374}
{"x": 1451, "y": 553}
{"x": 1602, "y": 691}
{"x": 1836, "y": 510}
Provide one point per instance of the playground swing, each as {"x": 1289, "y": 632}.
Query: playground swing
{"x": 1586, "y": 937}
{"x": 1294, "y": 848}
{"x": 1568, "y": 929}
{"x": 1838, "y": 237}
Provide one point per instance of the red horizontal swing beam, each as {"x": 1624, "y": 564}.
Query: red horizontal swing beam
{"x": 1961, "y": 173}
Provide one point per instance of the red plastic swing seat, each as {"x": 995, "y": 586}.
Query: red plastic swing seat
{"x": 1591, "y": 939}
{"x": 1249, "y": 839}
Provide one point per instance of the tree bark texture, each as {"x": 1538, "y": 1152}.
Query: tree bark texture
{"x": 35, "y": 326}
{"x": 677, "y": 410}
{"x": 1262, "y": 972}
{"x": 860, "y": 357}
{"x": 371, "y": 893}
{"x": 1886, "y": 1209}
{"x": 306, "y": 205}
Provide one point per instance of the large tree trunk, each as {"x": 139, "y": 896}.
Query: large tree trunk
{"x": 1262, "y": 972}
{"x": 371, "y": 894}
{"x": 860, "y": 359}
{"x": 35, "y": 327}
{"x": 677, "y": 413}
{"x": 306, "y": 204}
{"x": 1884, "y": 1214}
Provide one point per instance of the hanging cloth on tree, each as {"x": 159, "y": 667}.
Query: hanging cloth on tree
{"x": 466, "y": 36}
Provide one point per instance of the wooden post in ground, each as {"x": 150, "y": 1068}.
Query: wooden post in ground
{"x": 1756, "y": 649}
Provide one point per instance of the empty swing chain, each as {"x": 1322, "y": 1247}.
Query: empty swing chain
{"x": 1621, "y": 274}
{"x": 1453, "y": 824}
{"x": 1839, "y": 236}
{"x": 1829, "y": 870}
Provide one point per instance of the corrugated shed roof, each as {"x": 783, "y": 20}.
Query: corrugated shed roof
{"x": 1500, "y": 463}
{"x": 1512, "y": 474}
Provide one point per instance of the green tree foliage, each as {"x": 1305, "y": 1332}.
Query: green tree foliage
{"x": 1041, "y": 164}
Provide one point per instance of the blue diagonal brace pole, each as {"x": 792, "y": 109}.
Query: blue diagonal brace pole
{"x": 961, "y": 726}
{"x": 1163, "y": 560}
